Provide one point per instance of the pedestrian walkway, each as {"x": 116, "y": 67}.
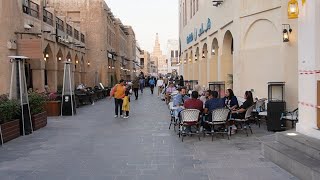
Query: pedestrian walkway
{"x": 95, "y": 146}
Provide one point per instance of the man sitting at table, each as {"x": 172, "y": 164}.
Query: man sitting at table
{"x": 212, "y": 104}
{"x": 194, "y": 102}
{"x": 179, "y": 100}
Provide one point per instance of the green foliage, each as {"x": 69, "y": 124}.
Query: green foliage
{"x": 9, "y": 109}
{"x": 37, "y": 102}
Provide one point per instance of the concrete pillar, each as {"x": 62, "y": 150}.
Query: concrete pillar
{"x": 309, "y": 55}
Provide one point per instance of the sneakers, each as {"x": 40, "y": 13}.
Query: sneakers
{"x": 126, "y": 117}
{"x": 122, "y": 116}
{"x": 115, "y": 116}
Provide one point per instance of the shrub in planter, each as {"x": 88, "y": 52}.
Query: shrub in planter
{"x": 53, "y": 105}
{"x": 37, "y": 108}
{"x": 10, "y": 126}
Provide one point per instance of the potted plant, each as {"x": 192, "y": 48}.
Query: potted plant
{"x": 9, "y": 123}
{"x": 53, "y": 105}
{"x": 37, "y": 109}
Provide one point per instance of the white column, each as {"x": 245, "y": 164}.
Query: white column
{"x": 309, "y": 55}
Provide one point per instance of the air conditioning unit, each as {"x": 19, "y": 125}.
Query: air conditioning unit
{"x": 12, "y": 45}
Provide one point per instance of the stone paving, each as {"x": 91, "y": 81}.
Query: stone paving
{"x": 95, "y": 146}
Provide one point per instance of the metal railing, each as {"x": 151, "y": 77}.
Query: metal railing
{"x": 59, "y": 24}
{"x": 31, "y": 9}
{"x": 47, "y": 17}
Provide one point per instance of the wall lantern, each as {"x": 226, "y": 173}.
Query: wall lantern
{"x": 88, "y": 63}
{"x": 286, "y": 30}
{"x": 293, "y": 9}
{"x": 213, "y": 51}
{"x": 77, "y": 61}
{"x": 69, "y": 59}
{"x": 190, "y": 60}
{"x": 47, "y": 55}
{"x": 185, "y": 61}
{"x": 196, "y": 58}
{"x": 203, "y": 55}
{"x": 59, "y": 58}
{"x": 112, "y": 67}
{"x": 45, "y": 59}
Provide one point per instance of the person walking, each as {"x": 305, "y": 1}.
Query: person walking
{"x": 141, "y": 82}
{"x": 118, "y": 92}
{"x": 135, "y": 86}
{"x": 126, "y": 104}
{"x": 160, "y": 86}
{"x": 152, "y": 83}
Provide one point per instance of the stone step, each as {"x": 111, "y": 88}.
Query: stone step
{"x": 294, "y": 161}
{"x": 302, "y": 143}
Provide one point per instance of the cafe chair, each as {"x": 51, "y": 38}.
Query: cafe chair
{"x": 189, "y": 122}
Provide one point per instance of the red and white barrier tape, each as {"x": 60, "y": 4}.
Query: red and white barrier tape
{"x": 305, "y": 72}
{"x": 309, "y": 105}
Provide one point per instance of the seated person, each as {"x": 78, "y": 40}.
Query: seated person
{"x": 230, "y": 100}
{"x": 179, "y": 100}
{"x": 205, "y": 96}
{"x": 194, "y": 102}
{"x": 211, "y": 104}
{"x": 241, "y": 112}
{"x": 169, "y": 91}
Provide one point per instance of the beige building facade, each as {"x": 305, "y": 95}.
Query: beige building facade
{"x": 29, "y": 28}
{"x": 241, "y": 43}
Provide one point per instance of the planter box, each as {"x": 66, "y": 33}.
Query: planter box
{"x": 53, "y": 108}
{"x": 10, "y": 130}
{"x": 39, "y": 121}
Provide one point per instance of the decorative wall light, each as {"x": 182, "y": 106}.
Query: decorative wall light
{"x": 88, "y": 63}
{"x": 196, "y": 58}
{"x": 203, "y": 55}
{"x": 47, "y": 55}
{"x": 112, "y": 67}
{"x": 77, "y": 61}
{"x": 59, "y": 58}
{"x": 109, "y": 67}
{"x": 190, "y": 60}
{"x": 45, "y": 59}
{"x": 293, "y": 9}
{"x": 69, "y": 59}
{"x": 213, "y": 51}
{"x": 185, "y": 61}
{"x": 286, "y": 30}
{"x": 217, "y": 3}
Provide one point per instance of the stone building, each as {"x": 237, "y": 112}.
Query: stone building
{"x": 145, "y": 62}
{"x": 240, "y": 43}
{"x": 111, "y": 44}
{"x": 30, "y": 28}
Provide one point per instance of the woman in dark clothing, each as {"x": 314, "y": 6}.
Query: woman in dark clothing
{"x": 181, "y": 82}
{"x": 230, "y": 100}
{"x": 241, "y": 112}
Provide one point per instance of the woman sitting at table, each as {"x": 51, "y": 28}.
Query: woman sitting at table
{"x": 241, "y": 112}
{"x": 230, "y": 100}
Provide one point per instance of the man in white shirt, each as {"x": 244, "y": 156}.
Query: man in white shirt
{"x": 160, "y": 86}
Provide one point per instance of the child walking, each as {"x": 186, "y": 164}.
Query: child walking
{"x": 126, "y": 104}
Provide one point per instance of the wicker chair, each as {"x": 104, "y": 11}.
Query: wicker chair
{"x": 245, "y": 122}
{"x": 189, "y": 118}
{"x": 219, "y": 118}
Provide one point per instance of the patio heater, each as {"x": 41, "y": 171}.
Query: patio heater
{"x": 276, "y": 106}
{"x": 19, "y": 91}
{"x": 68, "y": 107}
{"x": 219, "y": 86}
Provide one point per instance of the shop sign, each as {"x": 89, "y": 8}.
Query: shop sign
{"x": 193, "y": 36}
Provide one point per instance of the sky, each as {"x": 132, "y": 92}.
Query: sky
{"x": 148, "y": 17}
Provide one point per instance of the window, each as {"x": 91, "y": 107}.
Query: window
{"x": 177, "y": 54}
{"x": 76, "y": 34}
{"x": 47, "y": 17}
{"x": 82, "y": 38}
{"x": 30, "y": 8}
{"x": 194, "y": 7}
{"x": 69, "y": 30}
{"x": 60, "y": 24}
{"x": 172, "y": 54}
{"x": 190, "y": 9}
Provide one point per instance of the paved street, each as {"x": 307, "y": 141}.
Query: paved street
{"x": 95, "y": 146}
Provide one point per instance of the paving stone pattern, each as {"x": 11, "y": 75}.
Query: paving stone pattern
{"x": 95, "y": 146}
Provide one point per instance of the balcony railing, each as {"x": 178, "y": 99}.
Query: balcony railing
{"x": 60, "y": 24}
{"x": 69, "y": 30}
{"x": 31, "y": 8}
{"x": 76, "y": 34}
{"x": 82, "y": 38}
{"x": 47, "y": 17}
